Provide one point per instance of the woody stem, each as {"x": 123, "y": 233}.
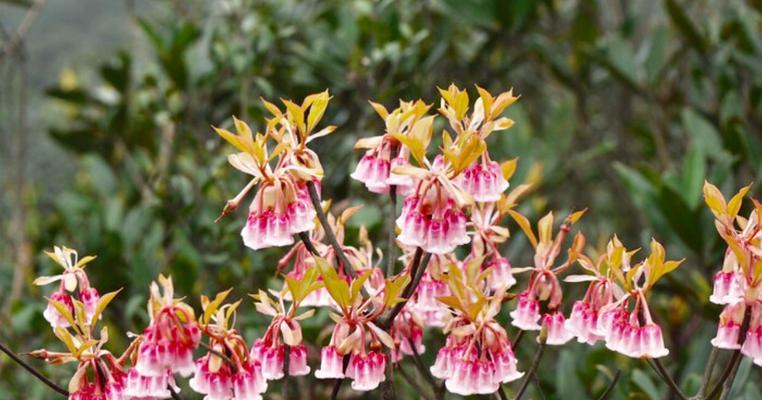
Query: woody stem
{"x": 666, "y": 377}
{"x": 532, "y": 368}
{"x": 329, "y": 234}
{"x": 286, "y": 362}
{"x": 37, "y": 374}
{"x": 417, "y": 268}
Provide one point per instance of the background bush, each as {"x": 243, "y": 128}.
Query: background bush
{"x": 626, "y": 108}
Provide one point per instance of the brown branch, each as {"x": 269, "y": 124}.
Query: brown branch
{"x": 37, "y": 374}
{"x": 23, "y": 29}
{"x": 417, "y": 268}
{"x": 532, "y": 368}
{"x": 329, "y": 234}
{"x": 610, "y": 388}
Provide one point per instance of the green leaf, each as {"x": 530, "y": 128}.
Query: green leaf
{"x": 644, "y": 382}
{"x": 686, "y": 27}
{"x": 694, "y": 173}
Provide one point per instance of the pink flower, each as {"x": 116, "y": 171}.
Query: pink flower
{"x": 373, "y": 172}
{"x": 727, "y": 288}
{"x": 483, "y": 180}
{"x": 404, "y": 183}
{"x": 407, "y": 332}
{"x": 279, "y": 210}
{"x": 501, "y": 276}
{"x": 248, "y": 382}
{"x": 331, "y": 364}
{"x": 445, "y": 361}
{"x": 437, "y": 228}
{"x": 271, "y": 358}
{"x": 89, "y": 298}
{"x": 366, "y": 370}
{"x": 752, "y": 345}
{"x": 585, "y": 316}
{"x": 557, "y": 334}
{"x": 527, "y": 313}
{"x": 505, "y": 365}
{"x": 169, "y": 341}
{"x": 583, "y": 323}
{"x": 52, "y": 315}
{"x": 627, "y": 336}
{"x": 729, "y": 327}
{"x": 139, "y": 386}
{"x": 212, "y": 379}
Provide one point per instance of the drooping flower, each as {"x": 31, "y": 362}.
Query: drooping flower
{"x": 73, "y": 286}
{"x": 432, "y": 217}
{"x": 283, "y": 205}
{"x": 227, "y": 371}
{"x": 172, "y": 336}
{"x": 477, "y": 357}
{"x": 543, "y": 288}
{"x": 407, "y": 332}
{"x": 385, "y": 152}
{"x": 585, "y": 317}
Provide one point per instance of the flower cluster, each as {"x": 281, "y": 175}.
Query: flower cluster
{"x": 452, "y": 273}
{"x": 738, "y": 285}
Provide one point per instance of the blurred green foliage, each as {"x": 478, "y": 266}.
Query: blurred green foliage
{"x": 627, "y": 106}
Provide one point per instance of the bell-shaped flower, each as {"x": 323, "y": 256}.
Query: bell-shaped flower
{"x": 172, "y": 336}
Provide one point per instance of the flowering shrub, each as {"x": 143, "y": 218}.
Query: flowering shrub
{"x": 452, "y": 275}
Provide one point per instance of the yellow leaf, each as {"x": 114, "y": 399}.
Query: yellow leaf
{"x": 487, "y": 101}
{"x": 212, "y": 307}
{"x": 317, "y": 109}
{"x": 103, "y": 302}
{"x": 545, "y": 228}
{"x": 714, "y": 199}
{"x": 508, "y": 168}
{"x": 337, "y": 287}
{"x": 524, "y": 225}
{"x": 380, "y": 109}
{"x": 296, "y": 114}
{"x": 735, "y": 202}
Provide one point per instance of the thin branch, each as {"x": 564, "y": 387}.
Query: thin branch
{"x": 329, "y": 234}
{"x": 286, "y": 362}
{"x": 339, "y": 381}
{"x": 391, "y": 244}
{"x": 708, "y": 371}
{"x": 735, "y": 359}
{"x": 425, "y": 372}
{"x": 37, "y": 374}
{"x": 668, "y": 379}
{"x": 18, "y": 36}
{"x": 610, "y": 388}
{"x": 727, "y": 387}
{"x": 517, "y": 339}
{"x": 417, "y": 268}
{"x": 532, "y": 368}
{"x": 218, "y": 354}
{"x": 500, "y": 394}
{"x": 305, "y": 237}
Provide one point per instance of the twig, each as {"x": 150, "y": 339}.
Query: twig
{"x": 500, "y": 394}
{"x": 708, "y": 371}
{"x": 532, "y": 368}
{"x": 735, "y": 359}
{"x": 610, "y": 388}
{"x": 315, "y": 198}
{"x": 517, "y": 339}
{"x": 727, "y": 387}
{"x": 425, "y": 372}
{"x": 18, "y": 36}
{"x": 218, "y": 354}
{"x": 286, "y": 362}
{"x": 417, "y": 268}
{"x": 339, "y": 381}
{"x": 668, "y": 379}
{"x": 305, "y": 237}
{"x": 37, "y": 374}
{"x": 391, "y": 245}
